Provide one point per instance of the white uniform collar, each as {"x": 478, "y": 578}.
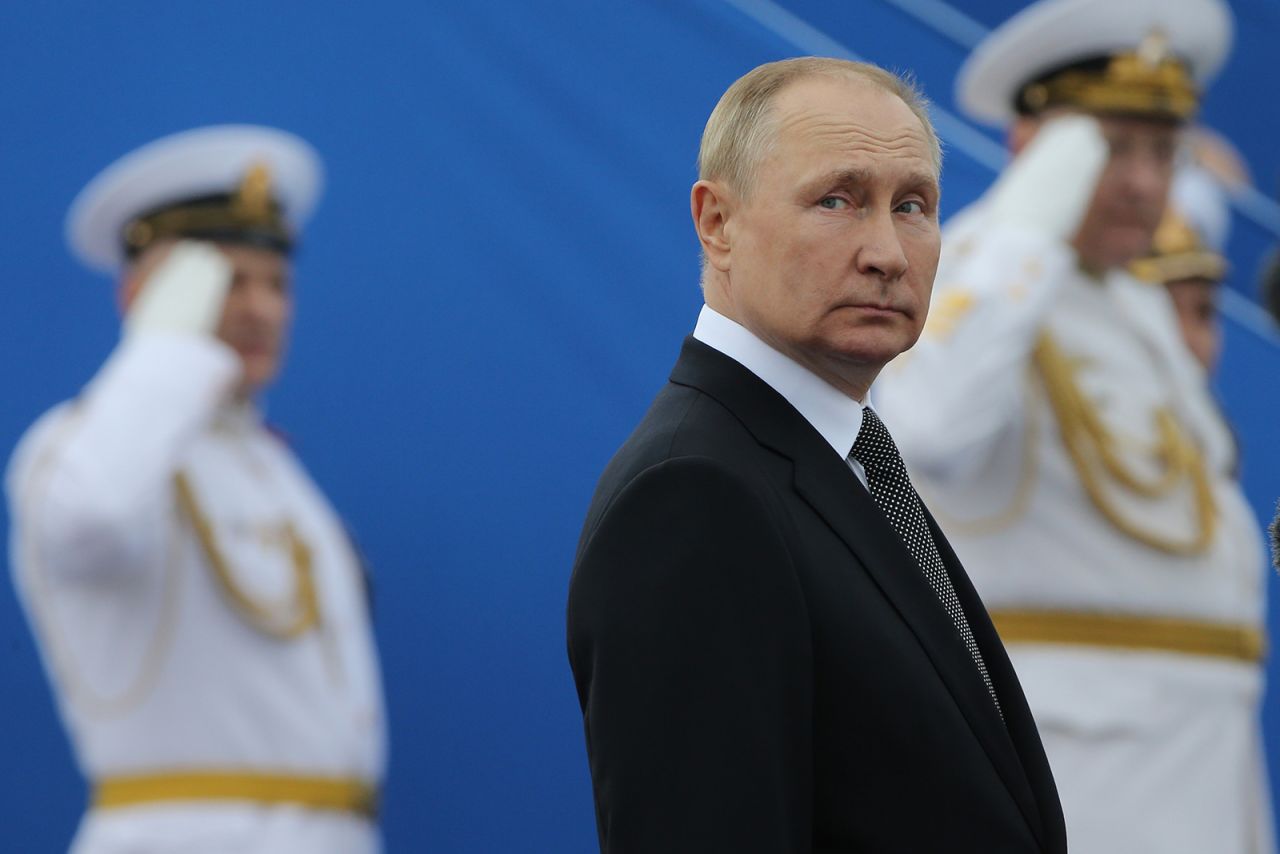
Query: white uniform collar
{"x": 835, "y": 415}
{"x": 237, "y": 416}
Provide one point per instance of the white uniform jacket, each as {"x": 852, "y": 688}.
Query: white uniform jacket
{"x": 1067, "y": 443}
{"x": 201, "y": 615}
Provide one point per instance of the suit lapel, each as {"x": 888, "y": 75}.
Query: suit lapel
{"x": 1021, "y": 728}
{"x": 836, "y": 495}
{"x": 825, "y": 482}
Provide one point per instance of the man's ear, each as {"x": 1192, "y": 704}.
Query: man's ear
{"x": 127, "y": 289}
{"x": 710, "y": 202}
{"x": 137, "y": 270}
{"x": 1021, "y": 132}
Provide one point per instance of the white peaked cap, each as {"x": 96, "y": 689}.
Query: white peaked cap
{"x": 195, "y": 163}
{"x": 1055, "y": 33}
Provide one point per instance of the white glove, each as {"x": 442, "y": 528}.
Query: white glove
{"x": 184, "y": 294}
{"x": 1050, "y": 183}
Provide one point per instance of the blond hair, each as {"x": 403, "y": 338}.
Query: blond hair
{"x": 741, "y": 129}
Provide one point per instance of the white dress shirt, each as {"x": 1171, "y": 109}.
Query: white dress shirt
{"x": 835, "y": 415}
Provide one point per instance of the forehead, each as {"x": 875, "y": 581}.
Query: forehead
{"x": 1138, "y": 126}
{"x": 247, "y": 258}
{"x": 837, "y": 118}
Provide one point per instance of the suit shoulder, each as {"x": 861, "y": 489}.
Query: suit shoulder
{"x": 688, "y": 444}
{"x": 682, "y": 422}
{"x": 687, "y": 502}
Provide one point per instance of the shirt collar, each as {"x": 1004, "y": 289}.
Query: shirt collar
{"x": 835, "y": 415}
{"x": 237, "y": 416}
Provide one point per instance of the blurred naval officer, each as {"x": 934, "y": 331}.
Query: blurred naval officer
{"x": 199, "y": 608}
{"x": 1065, "y": 437}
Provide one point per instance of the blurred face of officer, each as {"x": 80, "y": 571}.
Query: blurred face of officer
{"x": 256, "y": 316}
{"x": 257, "y": 312}
{"x": 830, "y": 257}
{"x": 1131, "y": 194}
{"x": 1196, "y": 302}
{"x": 1132, "y": 189}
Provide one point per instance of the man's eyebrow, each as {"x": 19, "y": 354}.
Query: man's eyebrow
{"x": 921, "y": 180}
{"x": 925, "y": 181}
{"x": 846, "y": 177}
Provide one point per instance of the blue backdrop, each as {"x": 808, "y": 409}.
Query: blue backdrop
{"x": 496, "y": 283}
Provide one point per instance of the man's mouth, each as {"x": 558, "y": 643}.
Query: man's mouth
{"x": 255, "y": 348}
{"x": 876, "y": 308}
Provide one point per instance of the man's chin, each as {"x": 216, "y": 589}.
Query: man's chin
{"x": 1127, "y": 245}
{"x": 257, "y": 373}
{"x": 877, "y": 341}
{"x": 864, "y": 360}
{"x": 1114, "y": 257}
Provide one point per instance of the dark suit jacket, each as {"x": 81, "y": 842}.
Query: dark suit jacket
{"x": 761, "y": 664}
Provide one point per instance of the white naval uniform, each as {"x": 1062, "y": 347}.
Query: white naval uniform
{"x": 155, "y": 670}
{"x": 1152, "y": 751}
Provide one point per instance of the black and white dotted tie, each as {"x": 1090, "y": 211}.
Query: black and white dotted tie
{"x": 892, "y": 490}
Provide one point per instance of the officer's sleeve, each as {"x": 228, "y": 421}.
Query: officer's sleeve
{"x": 689, "y": 642}
{"x": 89, "y": 489}
{"x": 955, "y": 396}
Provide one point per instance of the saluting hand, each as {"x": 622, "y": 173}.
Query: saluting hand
{"x": 184, "y": 294}
{"x": 1050, "y": 183}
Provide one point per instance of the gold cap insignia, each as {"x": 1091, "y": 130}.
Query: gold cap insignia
{"x": 1177, "y": 253}
{"x": 249, "y": 213}
{"x": 1146, "y": 81}
{"x": 252, "y": 200}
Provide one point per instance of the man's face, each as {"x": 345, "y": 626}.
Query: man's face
{"x": 256, "y": 315}
{"x": 1131, "y": 193}
{"x": 832, "y": 255}
{"x": 1196, "y": 302}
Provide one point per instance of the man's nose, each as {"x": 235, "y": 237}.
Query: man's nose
{"x": 259, "y": 299}
{"x": 1148, "y": 176}
{"x": 881, "y": 252}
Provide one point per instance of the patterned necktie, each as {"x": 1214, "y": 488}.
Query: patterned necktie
{"x": 892, "y": 490}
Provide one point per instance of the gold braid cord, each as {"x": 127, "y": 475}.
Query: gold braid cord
{"x": 1094, "y": 454}
{"x": 90, "y": 700}
{"x": 304, "y": 613}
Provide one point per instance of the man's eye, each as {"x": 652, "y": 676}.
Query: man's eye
{"x": 912, "y": 206}
{"x": 834, "y": 203}
{"x": 1119, "y": 146}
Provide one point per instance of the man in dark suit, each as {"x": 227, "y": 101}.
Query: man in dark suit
{"x": 774, "y": 647}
